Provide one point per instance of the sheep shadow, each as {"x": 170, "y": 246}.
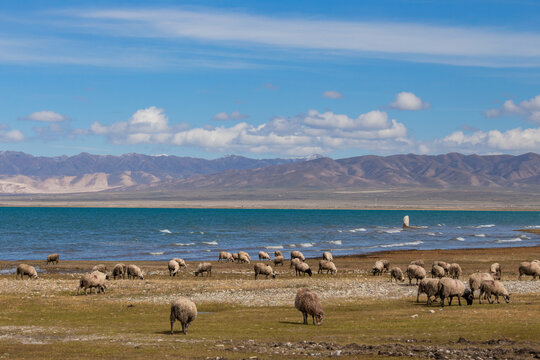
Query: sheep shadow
{"x": 292, "y": 323}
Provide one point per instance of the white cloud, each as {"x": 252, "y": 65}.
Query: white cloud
{"x": 332, "y": 94}
{"x": 302, "y": 134}
{"x": 529, "y": 109}
{"x": 223, "y": 116}
{"x": 7, "y": 135}
{"x": 494, "y": 140}
{"x": 46, "y": 116}
{"x": 408, "y": 101}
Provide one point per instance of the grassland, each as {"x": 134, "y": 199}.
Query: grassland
{"x": 239, "y": 317}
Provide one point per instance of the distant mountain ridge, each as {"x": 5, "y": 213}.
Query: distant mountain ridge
{"x": 23, "y": 173}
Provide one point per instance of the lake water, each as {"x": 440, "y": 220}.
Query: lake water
{"x": 199, "y": 234}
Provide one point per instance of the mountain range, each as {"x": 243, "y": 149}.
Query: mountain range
{"x": 24, "y": 173}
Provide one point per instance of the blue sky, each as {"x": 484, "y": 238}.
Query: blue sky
{"x": 270, "y": 79}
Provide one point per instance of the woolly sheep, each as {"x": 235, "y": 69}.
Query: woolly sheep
{"x": 264, "y": 269}
{"x": 202, "y": 268}
{"x": 225, "y": 256}
{"x": 454, "y": 271}
{"x": 450, "y": 288}
{"x": 183, "y": 310}
{"x": 302, "y": 268}
{"x": 119, "y": 270}
{"x": 278, "y": 253}
{"x": 327, "y": 265}
{"x": 415, "y": 272}
{"x": 378, "y": 268}
{"x": 476, "y": 279}
{"x": 397, "y": 274}
{"x": 100, "y": 267}
{"x": 24, "y": 269}
{"x": 386, "y": 264}
{"x": 442, "y": 264}
{"x": 297, "y": 255}
{"x": 417, "y": 262}
{"x": 529, "y": 268}
{"x": 294, "y": 262}
{"x": 327, "y": 255}
{"x": 279, "y": 260}
{"x": 173, "y": 267}
{"x": 493, "y": 287}
{"x": 307, "y": 302}
{"x": 428, "y": 286}
{"x": 133, "y": 271}
{"x": 94, "y": 280}
{"x": 264, "y": 256}
{"x": 245, "y": 254}
{"x": 437, "y": 271}
{"x": 180, "y": 262}
{"x": 235, "y": 256}
{"x": 53, "y": 258}
{"x": 242, "y": 258}
{"x": 496, "y": 271}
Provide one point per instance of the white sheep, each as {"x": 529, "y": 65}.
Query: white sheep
{"x": 100, "y": 267}
{"x": 242, "y": 258}
{"x": 183, "y": 310}
{"x": 496, "y": 271}
{"x": 297, "y": 255}
{"x": 278, "y": 253}
{"x": 529, "y": 268}
{"x": 133, "y": 271}
{"x": 53, "y": 258}
{"x": 174, "y": 267}
{"x": 397, "y": 274}
{"x": 264, "y": 256}
{"x": 417, "y": 262}
{"x": 202, "y": 268}
{"x": 279, "y": 260}
{"x": 302, "y": 268}
{"x": 428, "y": 286}
{"x": 245, "y": 254}
{"x": 119, "y": 270}
{"x": 450, "y": 288}
{"x": 454, "y": 271}
{"x": 493, "y": 287}
{"x": 235, "y": 256}
{"x": 415, "y": 272}
{"x": 476, "y": 279}
{"x": 180, "y": 262}
{"x": 264, "y": 269}
{"x": 442, "y": 264}
{"x": 94, "y": 280}
{"x": 378, "y": 268}
{"x": 327, "y": 265}
{"x": 327, "y": 255}
{"x": 294, "y": 262}
{"x": 307, "y": 302}
{"x": 24, "y": 269}
{"x": 225, "y": 256}
{"x": 437, "y": 271}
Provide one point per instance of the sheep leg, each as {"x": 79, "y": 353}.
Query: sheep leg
{"x": 442, "y": 301}
{"x": 305, "y": 317}
{"x": 184, "y": 328}
{"x": 172, "y": 325}
{"x": 497, "y": 297}
{"x": 459, "y": 300}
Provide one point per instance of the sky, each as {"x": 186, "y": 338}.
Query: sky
{"x": 270, "y": 78}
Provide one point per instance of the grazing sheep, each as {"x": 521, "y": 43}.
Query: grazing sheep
{"x": 119, "y": 270}
{"x": 133, "y": 271}
{"x": 24, "y": 269}
{"x": 279, "y": 260}
{"x": 242, "y": 258}
{"x": 225, "y": 256}
{"x": 454, "y": 271}
{"x": 245, "y": 254}
{"x": 183, "y": 310}
{"x": 235, "y": 256}
{"x": 397, "y": 274}
{"x": 53, "y": 258}
{"x": 278, "y": 253}
{"x": 493, "y": 287}
{"x": 307, "y": 302}
{"x": 437, "y": 271}
{"x": 180, "y": 262}
{"x": 417, "y": 262}
{"x": 327, "y": 265}
{"x": 302, "y": 268}
{"x": 264, "y": 269}
{"x": 530, "y": 269}
{"x": 100, "y": 267}
{"x": 264, "y": 256}
{"x": 496, "y": 271}
{"x": 94, "y": 280}
{"x": 430, "y": 287}
{"x": 202, "y": 268}
{"x": 442, "y": 264}
{"x": 378, "y": 268}
{"x": 294, "y": 262}
{"x": 297, "y": 255}
{"x": 476, "y": 279}
{"x": 415, "y": 272}
{"x": 327, "y": 255}
{"x": 450, "y": 288}
{"x": 386, "y": 264}
{"x": 173, "y": 267}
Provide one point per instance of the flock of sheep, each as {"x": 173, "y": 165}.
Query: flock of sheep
{"x": 443, "y": 284}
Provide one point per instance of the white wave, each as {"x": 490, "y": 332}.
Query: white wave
{"x": 207, "y": 250}
{"x": 274, "y": 247}
{"x": 291, "y": 245}
{"x": 484, "y": 226}
{"x": 508, "y": 240}
{"x": 459, "y": 238}
{"x": 392, "y": 231}
{"x": 157, "y": 253}
{"x": 210, "y": 242}
{"x": 335, "y": 242}
{"x": 479, "y": 235}
{"x": 306, "y": 244}
{"x": 532, "y": 227}
{"x": 165, "y": 231}
{"x": 431, "y": 234}
{"x": 401, "y": 244}
{"x": 525, "y": 237}
{"x": 340, "y": 231}
{"x": 440, "y": 224}
{"x": 197, "y": 232}
{"x": 357, "y": 230}
{"x": 184, "y": 244}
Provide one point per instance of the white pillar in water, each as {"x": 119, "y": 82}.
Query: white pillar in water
{"x": 406, "y": 221}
